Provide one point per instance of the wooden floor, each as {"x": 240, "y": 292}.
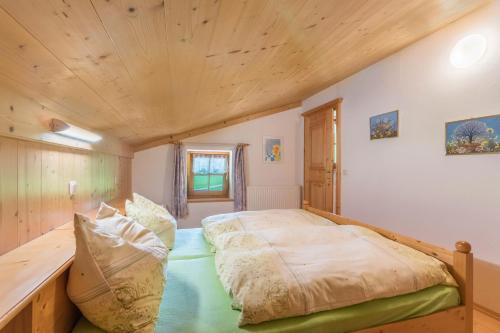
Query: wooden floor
{"x": 485, "y": 324}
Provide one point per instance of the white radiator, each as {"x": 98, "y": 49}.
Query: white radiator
{"x": 272, "y": 197}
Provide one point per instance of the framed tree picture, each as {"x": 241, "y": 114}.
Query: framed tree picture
{"x": 473, "y": 136}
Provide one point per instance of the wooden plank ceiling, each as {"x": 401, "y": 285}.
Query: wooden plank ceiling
{"x": 143, "y": 69}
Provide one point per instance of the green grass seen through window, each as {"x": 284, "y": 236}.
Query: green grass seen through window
{"x": 201, "y": 183}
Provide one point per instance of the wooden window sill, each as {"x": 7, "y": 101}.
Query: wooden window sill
{"x": 209, "y": 200}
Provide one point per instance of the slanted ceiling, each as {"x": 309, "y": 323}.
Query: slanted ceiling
{"x": 145, "y": 69}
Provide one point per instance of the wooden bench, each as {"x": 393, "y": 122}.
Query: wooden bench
{"x": 33, "y": 283}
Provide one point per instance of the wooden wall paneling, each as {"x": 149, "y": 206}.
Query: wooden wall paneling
{"x": 79, "y": 176}
{"x": 22, "y": 195}
{"x": 103, "y": 176}
{"x": 128, "y": 182}
{"x": 124, "y": 183}
{"x": 129, "y": 178}
{"x": 110, "y": 177}
{"x": 83, "y": 195}
{"x": 50, "y": 189}
{"x": 114, "y": 177}
{"x": 103, "y": 172}
{"x": 67, "y": 170}
{"x": 8, "y": 195}
{"x": 107, "y": 177}
{"x": 106, "y": 165}
{"x": 120, "y": 184}
{"x": 94, "y": 178}
{"x": 34, "y": 178}
{"x": 29, "y": 190}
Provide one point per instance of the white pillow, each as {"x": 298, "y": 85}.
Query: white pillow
{"x": 117, "y": 277}
{"x": 159, "y": 223}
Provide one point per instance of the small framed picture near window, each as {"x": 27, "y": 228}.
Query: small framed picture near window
{"x": 273, "y": 149}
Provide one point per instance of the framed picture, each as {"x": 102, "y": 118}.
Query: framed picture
{"x": 473, "y": 136}
{"x": 384, "y": 125}
{"x": 273, "y": 149}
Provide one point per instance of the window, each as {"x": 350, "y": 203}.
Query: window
{"x": 208, "y": 174}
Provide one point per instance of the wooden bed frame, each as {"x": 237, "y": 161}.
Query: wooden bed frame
{"x": 33, "y": 284}
{"x": 460, "y": 265}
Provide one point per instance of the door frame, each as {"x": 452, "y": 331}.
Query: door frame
{"x": 337, "y": 105}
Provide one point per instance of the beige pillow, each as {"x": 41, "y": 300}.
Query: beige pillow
{"x": 144, "y": 202}
{"x": 153, "y": 220}
{"x": 117, "y": 277}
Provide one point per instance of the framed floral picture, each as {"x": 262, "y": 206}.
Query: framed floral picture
{"x": 473, "y": 136}
{"x": 273, "y": 149}
{"x": 384, "y": 125}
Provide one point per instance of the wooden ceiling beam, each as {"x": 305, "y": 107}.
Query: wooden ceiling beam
{"x": 172, "y": 138}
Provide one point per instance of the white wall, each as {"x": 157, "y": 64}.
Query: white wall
{"x": 149, "y": 173}
{"x": 407, "y": 184}
{"x": 152, "y": 171}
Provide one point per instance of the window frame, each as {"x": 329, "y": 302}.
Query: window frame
{"x": 207, "y": 195}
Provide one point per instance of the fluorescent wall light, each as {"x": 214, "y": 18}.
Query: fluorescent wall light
{"x": 60, "y": 127}
{"x": 468, "y": 51}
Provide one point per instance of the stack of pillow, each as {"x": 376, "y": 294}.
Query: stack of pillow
{"x": 117, "y": 277}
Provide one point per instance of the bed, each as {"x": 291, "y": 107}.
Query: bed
{"x": 200, "y": 305}
{"x": 194, "y": 304}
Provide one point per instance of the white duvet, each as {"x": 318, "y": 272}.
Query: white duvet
{"x": 304, "y": 268}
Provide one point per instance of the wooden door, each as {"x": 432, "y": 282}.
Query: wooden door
{"x": 321, "y": 173}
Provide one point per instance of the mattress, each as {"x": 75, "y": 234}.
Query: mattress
{"x": 195, "y": 302}
{"x": 189, "y": 244}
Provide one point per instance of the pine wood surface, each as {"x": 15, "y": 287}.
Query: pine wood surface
{"x": 148, "y": 69}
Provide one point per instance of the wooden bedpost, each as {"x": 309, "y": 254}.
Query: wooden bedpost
{"x": 463, "y": 269}
{"x": 305, "y": 204}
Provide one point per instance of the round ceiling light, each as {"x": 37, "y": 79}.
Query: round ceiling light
{"x": 468, "y": 51}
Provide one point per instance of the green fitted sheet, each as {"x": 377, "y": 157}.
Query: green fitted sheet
{"x": 190, "y": 244}
{"x": 195, "y": 302}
